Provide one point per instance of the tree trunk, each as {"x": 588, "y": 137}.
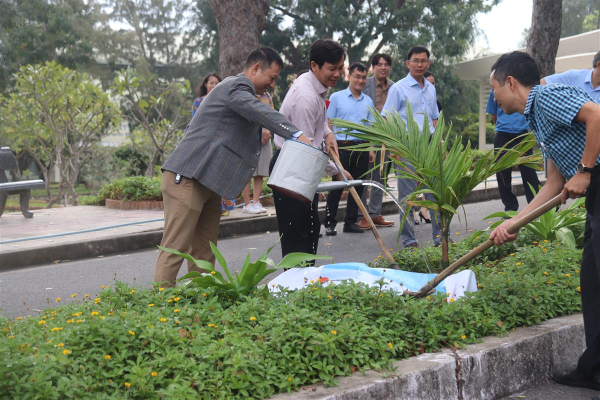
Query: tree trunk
{"x": 240, "y": 23}
{"x": 544, "y": 34}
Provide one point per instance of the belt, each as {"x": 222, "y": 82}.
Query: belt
{"x": 350, "y": 142}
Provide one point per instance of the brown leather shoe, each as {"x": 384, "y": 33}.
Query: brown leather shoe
{"x": 363, "y": 224}
{"x": 380, "y": 221}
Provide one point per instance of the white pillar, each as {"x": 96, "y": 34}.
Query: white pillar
{"x": 484, "y": 94}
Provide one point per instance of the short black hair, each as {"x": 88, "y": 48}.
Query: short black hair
{"x": 427, "y": 74}
{"x": 418, "y": 50}
{"x": 326, "y": 50}
{"x": 359, "y": 66}
{"x": 265, "y": 56}
{"x": 596, "y": 59}
{"x": 520, "y": 66}
{"x": 202, "y": 90}
{"x": 377, "y": 56}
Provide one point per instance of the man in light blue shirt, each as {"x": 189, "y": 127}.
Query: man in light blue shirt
{"x": 421, "y": 95}
{"x": 352, "y": 105}
{"x": 586, "y": 79}
{"x": 510, "y": 131}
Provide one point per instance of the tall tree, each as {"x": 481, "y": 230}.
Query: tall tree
{"x": 544, "y": 34}
{"x": 35, "y": 31}
{"x": 240, "y": 23}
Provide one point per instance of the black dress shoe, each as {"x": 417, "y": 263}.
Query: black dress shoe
{"x": 577, "y": 379}
{"x": 352, "y": 229}
{"x": 330, "y": 231}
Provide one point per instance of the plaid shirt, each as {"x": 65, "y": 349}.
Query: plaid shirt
{"x": 550, "y": 112}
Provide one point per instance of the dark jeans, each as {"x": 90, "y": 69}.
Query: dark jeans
{"x": 589, "y": 362}
{"x": 298, "y": 221}
{"x": 356, "y": 163}
{"x": 504, "y": 178}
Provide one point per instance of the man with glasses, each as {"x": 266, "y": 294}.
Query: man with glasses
{"x": 377, "y": 88}
{"x": 421, "y": 95}
{"x": 352, "y": 105}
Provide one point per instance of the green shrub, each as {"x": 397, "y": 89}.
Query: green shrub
{"x": 192, "y": 343}
{"x": 135, "y": 188}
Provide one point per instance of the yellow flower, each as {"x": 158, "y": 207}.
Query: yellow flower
{"x": 170, "y": 301}
{"x": 76, "y": 314}
{"x": 451, "y": 300}
{"x": 66, "y": 352}
{"x": 312, "y": 281}
{"x": 545, "y": 250}
{"x": 329, "y": 296}
{"x": 57, "y": 299}
{"x": 70, "y": 321}
{"x": 49, "y": 341}
{"x": 252, "y": 318}
{"x": 546, "y": 273}
{"x": 549, "y": 282}
{"x": 161, "y": 289}
{"x": 132, "y": 291}
{"x": 74, "y": 295}
{"x": 19, "y": 318}
{"x": 176, "y": 310}
{"x": 212, "y": 272}
{"x": 518, "y": 264}
{"x": 176, "y": 299}
{"x": 568, "y": 275}
{"x": 127, "y": 384}
{"x": 177, "y": 322}
{"x": 163, "y": 320}
{"x": 211, "y": 325}
{"x": 131, "y": 333}
{"x": 151, "y": 305}
{"x": 154, "y": 373}
{"x": 512, "y": 254}
{"x": 107, "y": 357}
{"x": 79, "y": 321}
{"x": 334, "y": 332}
{"x": 576, "y": 271}
{"x": 97, "y": 300}
{"x": 86, "y": 295}
{"x": 453, "y": 242}
{"x": 203, "y": 294}
{"x": 479, "y": 285}
{"x": 42, "y": 322}
{"x": 579, "y": 288}
{"x": 464, "y": 337}
{"x": 102, "y": 317}
{"x": 545, "y": 241}
{"x": 390, "y": 345}
{"x": 390, "y": 250}
{"x": 289, "y": 378}
{"x": 94, "y": 313}
{"x": 11, "y": 337}
{"x": 102, "y": 286}
{"x": 458, "y": 233}
{"x": 61, "y": 345}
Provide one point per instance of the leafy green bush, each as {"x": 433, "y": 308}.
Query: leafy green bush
{"x": 188, "y": 342}
{"x": 135, "y": 188}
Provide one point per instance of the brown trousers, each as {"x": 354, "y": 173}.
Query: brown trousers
{"x": 192, "y": 216}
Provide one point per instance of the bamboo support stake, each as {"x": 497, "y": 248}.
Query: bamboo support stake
{"x": 430, "y": 286}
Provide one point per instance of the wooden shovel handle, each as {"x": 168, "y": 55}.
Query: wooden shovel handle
{"x": 364, "y": 211}
{"x": 430, "y": 286}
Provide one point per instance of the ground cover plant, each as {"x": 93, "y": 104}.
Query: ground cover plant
{"x": 192, "y": 342}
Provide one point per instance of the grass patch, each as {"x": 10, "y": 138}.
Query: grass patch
{"x": 186, "y": 342}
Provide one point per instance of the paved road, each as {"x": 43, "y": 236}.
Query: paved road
{"x": 26, "y": 291}
{"x": 553, "y": 391}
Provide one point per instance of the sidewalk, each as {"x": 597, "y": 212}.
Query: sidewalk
{"x": 61, "y": 234}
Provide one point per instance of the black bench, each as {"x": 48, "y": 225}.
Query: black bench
{"x": 22, "y": 188}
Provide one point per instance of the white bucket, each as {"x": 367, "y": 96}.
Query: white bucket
{"x": 298, "y": 170}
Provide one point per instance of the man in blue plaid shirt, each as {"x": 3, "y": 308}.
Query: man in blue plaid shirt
{"x": 566, "y": 125}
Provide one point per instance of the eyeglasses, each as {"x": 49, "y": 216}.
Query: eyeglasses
{"x": 418, "y": 61}
{"x": 359, "y": 77}
{"x": 386, "y": 65}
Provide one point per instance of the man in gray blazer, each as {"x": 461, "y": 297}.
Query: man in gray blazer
{"x": 376, "y": 88}
{"x": 215, "y": 159}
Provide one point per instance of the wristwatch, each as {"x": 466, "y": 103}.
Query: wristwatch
{"x": 582, "y": 168}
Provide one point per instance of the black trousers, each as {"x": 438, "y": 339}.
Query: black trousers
{"x": 589, "y": 362}
{"x": 504, "y": 178}
{"x": 298, "y": 221}
{"x": 357, "y": 163}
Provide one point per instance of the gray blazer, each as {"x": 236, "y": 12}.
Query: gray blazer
{"x": 369, "y": 88}
{"x": 222, "y": 142}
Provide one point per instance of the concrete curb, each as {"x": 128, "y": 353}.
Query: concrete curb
{"x": 132, "y": 242}
{"x": 496, "y": 368}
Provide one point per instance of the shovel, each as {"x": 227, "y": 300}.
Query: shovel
{"x": 364, "y": 211}
{"x": 430, "y": 286}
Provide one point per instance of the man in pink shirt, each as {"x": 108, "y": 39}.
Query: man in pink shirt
{"x": 304, "y": 106}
